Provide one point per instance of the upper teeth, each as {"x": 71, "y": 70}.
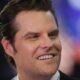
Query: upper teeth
{"x": 45, "y": 57}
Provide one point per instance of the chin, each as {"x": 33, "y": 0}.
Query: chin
{"x": 49, "y": 72}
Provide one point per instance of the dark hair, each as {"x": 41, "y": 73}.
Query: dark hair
{"x": 7, "y": 16}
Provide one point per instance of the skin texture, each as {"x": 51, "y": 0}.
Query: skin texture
{"x": 37, "y": 36}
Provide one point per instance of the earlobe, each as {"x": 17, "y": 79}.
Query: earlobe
{"x": 7, "y": 47}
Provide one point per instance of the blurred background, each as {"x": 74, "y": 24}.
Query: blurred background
{"x": 68, "y": 14}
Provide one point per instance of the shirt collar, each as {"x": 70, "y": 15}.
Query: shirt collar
{"x": 56, "y": 76}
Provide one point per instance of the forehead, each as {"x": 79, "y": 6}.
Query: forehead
{"x": 35, "y": 20}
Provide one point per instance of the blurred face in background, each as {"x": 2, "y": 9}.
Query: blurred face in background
{"x": 37, "y": 44}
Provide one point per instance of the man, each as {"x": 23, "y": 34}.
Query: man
{"x": 30, "y": 36}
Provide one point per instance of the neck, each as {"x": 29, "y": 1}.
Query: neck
{"x": 36, "y": 77}
{"x": 27, "y": 76}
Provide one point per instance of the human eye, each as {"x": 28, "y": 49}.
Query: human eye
{"x": 53, "y": 34}
{"x": 33, "y": 37}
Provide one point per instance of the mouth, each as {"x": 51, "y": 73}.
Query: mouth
{"x": 46, "y": 56}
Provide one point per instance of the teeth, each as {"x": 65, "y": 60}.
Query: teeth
{"x": 44, "y": 57}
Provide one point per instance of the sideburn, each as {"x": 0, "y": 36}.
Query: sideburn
{"x": 13, "y": 46}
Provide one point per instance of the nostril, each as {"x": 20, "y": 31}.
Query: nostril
{"x": 47, "y": 44}
{"x": 47, "y": 48}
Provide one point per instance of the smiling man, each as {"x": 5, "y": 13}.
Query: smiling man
{"x": 30, "y": 36}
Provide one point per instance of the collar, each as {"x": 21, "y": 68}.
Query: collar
{"x": 56, "y": 76}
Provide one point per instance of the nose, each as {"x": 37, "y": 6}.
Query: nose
{"x": 46, "y": 43}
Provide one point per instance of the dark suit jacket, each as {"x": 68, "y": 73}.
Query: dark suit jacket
{"x": 65, "y": 77}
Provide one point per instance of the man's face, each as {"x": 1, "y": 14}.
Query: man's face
{"x": 37, "y": 43}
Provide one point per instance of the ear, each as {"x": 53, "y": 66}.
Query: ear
{"x": 7, "y": 47}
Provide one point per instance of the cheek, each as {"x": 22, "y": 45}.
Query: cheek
{"x": 58, "y": 44}
{"x": 28, "y": 46}
{"x": 26, "y": 50}
{"x": 26, "y": 55}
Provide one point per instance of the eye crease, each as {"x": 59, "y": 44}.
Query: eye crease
{"x": 32, "y": 36}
